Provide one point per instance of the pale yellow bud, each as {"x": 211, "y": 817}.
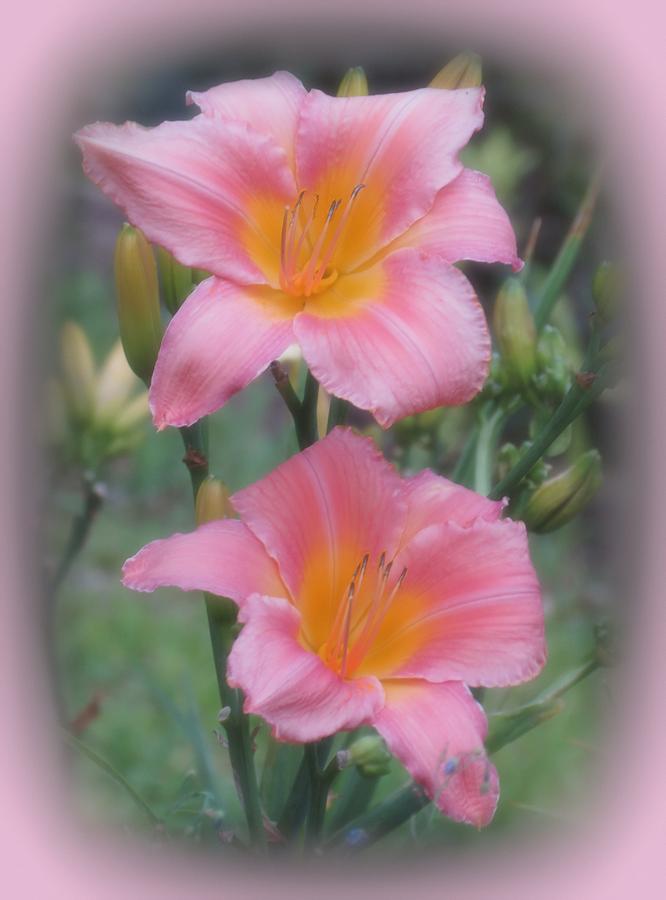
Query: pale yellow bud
{"x": 354, "y": 83}
{"x": 78, "y": 372}
{"x": 212, "y": 501}
{"x": 463, "y": 71}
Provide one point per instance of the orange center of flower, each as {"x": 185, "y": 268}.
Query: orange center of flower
{"x": 359, "y": 617}
{"x": 308, "y": 243}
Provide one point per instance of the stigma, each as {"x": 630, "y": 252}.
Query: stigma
{"x": 308, "y": 243}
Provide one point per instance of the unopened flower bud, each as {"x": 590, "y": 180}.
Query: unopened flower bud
{"x": 606, "y": 287}
{"x": 78, "y": 372}
{"x": 515, "y": 332}
{"x": 354, "y": 83}
{"x": 176, "y": 280}
{"x": 560, "y": 499}
{"x": 369, "y": 754}
{"x": 115, "y": 384}
{"x": 555, "y": 370}
{"x": 134, "y": 414}
{"x": 212, "y": 501}
{"x": 463, "y": 71}
{"x": 138, "y": 301}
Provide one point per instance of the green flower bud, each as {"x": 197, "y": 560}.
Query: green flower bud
{"x": 515, "y": 332}
{"x": 138, "y": 301}
{"x": 212, "y": 501}
{"x": 463, "y": 71}
{"x": 354, "y": 83}
{"x": 369, "y": 754}
{"x": 560, "y": 499}
{"x": 606, "y": 287}
{"x": 176, "y": 280}
{"x": 78, "y": 372}
{"x": 554, "y": 378}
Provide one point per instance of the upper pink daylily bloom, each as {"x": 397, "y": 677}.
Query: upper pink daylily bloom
{"x": 329, "y": 222}
{"x": 370, "y": 599}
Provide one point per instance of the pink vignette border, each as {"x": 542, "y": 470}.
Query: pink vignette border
{"x": 614, "y": 52}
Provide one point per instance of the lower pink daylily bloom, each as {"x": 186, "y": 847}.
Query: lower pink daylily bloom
{"x": 329, "y": 222}
{"x": 369, "y": 599}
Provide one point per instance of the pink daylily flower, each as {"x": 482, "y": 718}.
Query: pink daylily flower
{"x": 369, "y": 599}
{"x": 329, "y": 222}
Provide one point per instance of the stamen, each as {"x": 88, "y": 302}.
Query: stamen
{"x": 341, "y": 224}
{"x": 376, "y": 617}
{"x": 284, "y": 275}
{"x": 345, "y": 646}
{"x": 313, "y": 272}
{"x": 296, "y": 250}
{"x": 311, "y": 275}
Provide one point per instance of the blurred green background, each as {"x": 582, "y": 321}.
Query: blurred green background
{"x": 134, "y": 672}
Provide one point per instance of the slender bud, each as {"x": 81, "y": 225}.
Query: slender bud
{"x": 606, "y": 287}
{"x": 134, "y": 414}
{"x": 560, "y": 499}
{"x": 176, "y": 280}
{"x": 115, "y": 384}
{"x": 515, "y": 332}
{"x": 369, "y": 754}
{"x": 212, "y": 501}
{"x": 354, "y": 83}
{"x": 78, "y": 372}
{"x": 138, "y": 301}
{"x": 463, "y": 71}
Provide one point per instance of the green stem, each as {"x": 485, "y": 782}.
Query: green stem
{"x": 354, "y": 798}
{"x": 295, "y": 809}
{"x": 318, "y": 792}
{"x": 367, "y": 829}
{"x": 567, "y": 256}
{"x": 221, "y": 619}
{"x": 568, "y": 681}
{"x": 384, "y": 818}
{"x": 195, "y": 439}
{"x": 337, "y": 414}
{"x": 486, "y": 445}
{"x": 106, "y": 766}
{"x": 93, "y": 497}
{"x": 576, "y": 400}
{"x": 236, "y": 724}
{"x": 460, "y": 471}
{"x": 309, "y": 412}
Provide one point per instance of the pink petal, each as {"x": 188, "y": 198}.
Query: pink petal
{"x": 289, "y": 686}
{"x": 469, "y": 610}
{"x": 193, "y": 187}
{"x": 318, "y": 513}
{"x": 437, "y": 733}
{"x": 466, "y": 222}
{"x": 223, "y": 558}
{"x": 268, "y": 105}
{"x": 402, "y": 147}
{"x": 405, "y": 336}
{"x": 220, "y": 340}
{"x": 434, "y": 500}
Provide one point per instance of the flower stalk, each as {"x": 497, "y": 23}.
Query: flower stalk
{"x": 221, "y": 620}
